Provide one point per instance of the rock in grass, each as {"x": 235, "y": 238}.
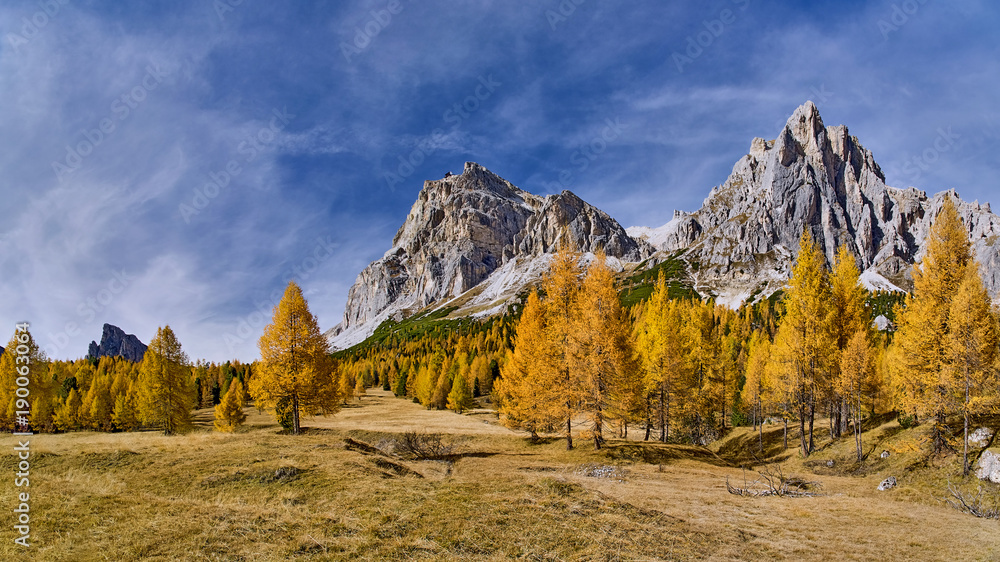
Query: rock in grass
{"x": 887, "y": 484}
{"x": 988, "y": 467}
{"x": 980, "y": 437}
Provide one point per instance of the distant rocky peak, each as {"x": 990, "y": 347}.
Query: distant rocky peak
{"x": 116, "y": 343}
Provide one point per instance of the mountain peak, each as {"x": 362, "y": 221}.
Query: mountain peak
{"x": 461, "y": 230}
{"x": 820, "y": 178}
{"x": 806, "y": 127}
{"x": 116, "y": 343}
{"x": 474, "y": 177}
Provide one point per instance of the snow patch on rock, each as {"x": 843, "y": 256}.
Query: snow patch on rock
{"x": 873, "y": 281}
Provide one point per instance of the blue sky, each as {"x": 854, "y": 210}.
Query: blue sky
{"x": 178, "y": 162}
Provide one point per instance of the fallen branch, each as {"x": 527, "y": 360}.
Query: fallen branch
{"x": 973, "y": 506}
{"x": 771, "y": 482}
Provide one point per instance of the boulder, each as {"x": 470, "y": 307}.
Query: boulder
{"x": 980, "y": 437}
{"x": 988, "y": 467}
{"x": 887, "y": 484}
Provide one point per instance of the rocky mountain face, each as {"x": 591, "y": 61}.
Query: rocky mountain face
{"x": 116, "y": 343}
{"x": 473, "y": 241}
{"x": 461, "y": 230}
{"x": 744, "y": 238}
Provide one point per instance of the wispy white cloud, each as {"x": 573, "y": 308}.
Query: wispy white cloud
{"x": 67, "y": 239}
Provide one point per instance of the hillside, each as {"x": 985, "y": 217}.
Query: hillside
{"x": 264, "y": 496}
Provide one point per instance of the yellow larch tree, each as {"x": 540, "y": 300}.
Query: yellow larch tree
{"x": 804, "y": 344}
{"x": 460, "y": 395}
{"x": 66, "y": 413}
{"x": 703, "y": 348}
{"x": 562, "y": 290}
{"x": 526, "y": 392}
{"x": 229, "y": 413}
{"x": 125, "y": 415}
{"x": 923, "y": 324}
{"x": 856, "y": 371}
{"x": 295, "y": 363}
{"x": 31, "y": 367}
{"x": 848, "y": 316}
{"x": 166, "y": 394}
{"x": 600, "y": 352}
{"x": 972, "y": 352}
{"x": 660, "y": 347}
{"x": 757, "y": 387}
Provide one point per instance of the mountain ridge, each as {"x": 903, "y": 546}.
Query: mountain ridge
{"x": 474, "y": 241}
{"x": 745, "y": 235}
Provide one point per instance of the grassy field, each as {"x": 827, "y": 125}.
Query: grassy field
{"x": 343, "y": 490}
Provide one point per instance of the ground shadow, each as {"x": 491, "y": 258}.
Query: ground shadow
{"x": 661, "y": 453}
{"x": 747, "y": 449}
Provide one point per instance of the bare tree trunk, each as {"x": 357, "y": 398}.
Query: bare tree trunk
{"x": 649, "y": 419}
{"x": 663, "y": 416}
{"x": 812, "y": 420}
{"x": 965, "y": 441}
{"x": 785, "y": 419}
{"x": 857, "y": 429}
{"x": 295, "y": 414}
{"x": 760, "y": 434}
{"x": 802, "y": 429}
{"x": 843, "y": 416}
{"x": 833, "y": 431}
{"x": 569, "y": 430}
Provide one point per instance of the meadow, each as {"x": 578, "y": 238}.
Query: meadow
{"x": 349, "y": 488}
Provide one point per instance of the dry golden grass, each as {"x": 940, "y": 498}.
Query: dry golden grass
{"x": 211, "y": 496}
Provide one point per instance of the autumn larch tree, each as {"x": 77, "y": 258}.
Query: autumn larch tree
{"x": 460, "y": 396}
{"x": 229, "y": 413}
{"x": 600, "y": 352}
{"x": 757, "y": 387}
{"x": 13, "y": 365}
{"x": 856, "y": 368}
{"x": 295, "y": 362}
{"x": 526, "y": 393}
{"x": 562, "y": 289}
{"x": 166, "y": 394}
{"x": 848, "y": 316}
{"x": 923, "y": 333}
{"x": 804, "y": 345}
{"x": 125, "y": 415}
{"x": 660, "y": 346}
{"x": 972, "y": 351}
